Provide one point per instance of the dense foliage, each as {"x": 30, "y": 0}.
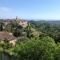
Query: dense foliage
{"x": 50, "y": 28}
{"x": 36, "y": 49}
{"x": 38, "y": 41}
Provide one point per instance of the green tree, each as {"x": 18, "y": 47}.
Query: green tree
{"x": 57, "y": 52}
{"x": 17, "y": 31}
{"x": 28, "y": 31}
{"x": 1, "y": 26}
{"x": 36, "y": 49}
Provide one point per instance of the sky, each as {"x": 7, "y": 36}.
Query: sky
{"x": 30, "y": 9}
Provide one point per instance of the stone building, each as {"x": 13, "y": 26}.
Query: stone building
{"x": 7, "y": 36}
{"x": 23, "y": 23}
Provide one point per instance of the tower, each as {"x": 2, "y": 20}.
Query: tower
{"x": 16, "y": 17}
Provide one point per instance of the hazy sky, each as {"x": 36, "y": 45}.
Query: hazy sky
{"x": 30, "y": 9}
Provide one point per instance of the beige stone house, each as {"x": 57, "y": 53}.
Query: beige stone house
{"x": 8, "y": 36}
{"x": 23, "y": 23}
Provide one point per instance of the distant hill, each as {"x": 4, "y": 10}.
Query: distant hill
{"x": 43, "y": 21}
{"x": 54, "y": 22}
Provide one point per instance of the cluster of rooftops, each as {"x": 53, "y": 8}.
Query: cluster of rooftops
{"x": 9, "y": 36}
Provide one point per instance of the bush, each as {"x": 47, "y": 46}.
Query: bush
{"x": 57, "y": 52}
{"x": 36, "y": 49}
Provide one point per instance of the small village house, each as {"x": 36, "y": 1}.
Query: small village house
{"x": 22, "y": 22}
{"x": 8, "y": 36}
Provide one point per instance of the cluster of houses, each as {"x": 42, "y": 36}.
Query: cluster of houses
{"x": 9, "y": 36}
{"x": 21, "y": 22}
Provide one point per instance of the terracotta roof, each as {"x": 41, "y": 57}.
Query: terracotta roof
{"x": 6, "y": 35}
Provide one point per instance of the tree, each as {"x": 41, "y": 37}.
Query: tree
{"x": 57, "y": 52}
{"x": 36, "y": 49}
{"x": 17, "y": 31}
{"x": 29, "y": 31}
{"x": 1, "y": 26}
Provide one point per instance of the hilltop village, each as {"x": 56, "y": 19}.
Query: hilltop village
{"x": 8, "y": 26}
{"x": 12, "y": 30}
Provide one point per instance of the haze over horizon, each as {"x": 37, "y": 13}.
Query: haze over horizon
{"x": 30, "y": 9}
